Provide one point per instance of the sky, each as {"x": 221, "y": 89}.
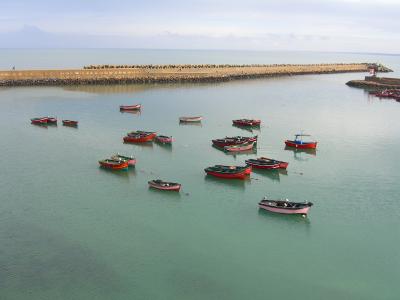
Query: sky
{"x": 309, "y": 25}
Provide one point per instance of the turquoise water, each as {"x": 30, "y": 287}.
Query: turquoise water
{"x": 70, "y": 230}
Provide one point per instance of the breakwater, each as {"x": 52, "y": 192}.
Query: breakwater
{"x": 373, "y": 82}
{"x": 109, "y": 74}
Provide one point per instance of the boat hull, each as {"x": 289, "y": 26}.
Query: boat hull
{"x": 175, "y": 188}
{"x": 267, "y": 163}
{"x": 190, "y": 119}
{"x": 252, "y": 123}
{"x": 141, "y": 139}
{"x": 238, "y": 175}
{"x": 39, "y": 121}
{"x": 239, "y": 148}
{"x": 114, "y": 166}
{"x": 130, "y": 107}
{"x": 164, "y": 140}
{"x": 264, "y": 167}
{"x": 307, "y": 145}
{"x": 301, "y": 211}
{"x": 221, "y": 143}
{"x": 70, "y": 123}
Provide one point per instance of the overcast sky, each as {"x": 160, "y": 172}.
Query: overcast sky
{"x": 322, "y": 25}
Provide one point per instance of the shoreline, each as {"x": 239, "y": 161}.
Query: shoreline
{"x": 125, "y": 74}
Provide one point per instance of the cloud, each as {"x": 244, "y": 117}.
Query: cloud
{"x": 207, "y": 23}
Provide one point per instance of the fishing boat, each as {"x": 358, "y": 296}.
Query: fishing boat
{"x": 229, "y": 172}
{"x": 300, "y": 144}
{"x": 39, "y": 121}
{"x": 247, "y": 122}
{"x": 163, "y": 139}
{"x": 51, "y": 120}
{"x": 70, "y": 123}
{"x": 130, "y": 107}
{"x": 139, "y": 136}
{"x": 285, "y": 206}
{"x": 266, "y": 163}
{"x": 246, "y": 169}
{"x": 190, "y": 119}
{"x": 240, "y": 147}
{"x": 164, "y": 185}
{"x": 235, "y": 140}
{"x": 114, "y": 164}
{"x": 130, "y": 159}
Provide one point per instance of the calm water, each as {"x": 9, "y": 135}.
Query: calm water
{"x": 70, "y": 230}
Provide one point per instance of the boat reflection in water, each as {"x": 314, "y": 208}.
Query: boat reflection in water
{"x": 272, "y": 174}
{"x": 131, "y": 112}
{"x": 234, "y": 154}
{"x": 301, "y": 154}
{"x": 247, "y": 128}
{"x": 122, "y": 174}
{"x": 285, "y": 220}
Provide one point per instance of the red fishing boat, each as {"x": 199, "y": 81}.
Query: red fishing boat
{"x": 246, "y": 169}
{"x": 240, "y": 147}
{"x": 235, "y": 140}
{"x": 130, "y": 107}
{"x": 130, "y": 159}
{"x": 300, "y": 144}
{"x": 51, "y": 120}
{"x": 70, "y": 123}
{"x": 285, "y": 206}
{"x": 190, "y": 119}
{"x": 247, "y": 122}
{"x": 140, "y": 137}
{"x": 163, "y": 139}
{"x": 114, "y": 164}
{"x": 229, "y": 172}
{"x": 267, "y": 163}
{"x": 165, "y": 186}
{"x": 39, "y": 121}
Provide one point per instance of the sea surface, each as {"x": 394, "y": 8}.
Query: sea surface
{"x": 71, "y": 230}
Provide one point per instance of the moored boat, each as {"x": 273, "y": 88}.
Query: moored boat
{"x": 190, "y": 119}
{"x": 247, "y": 122}
{"x": 229, "y": 172}
{"x": 139, "y": 136}
{"x": 239, "y": 147}
{"x": 70, "y": 123}
{"x": 246, "y": 169}
{"x": 164, "y": 139}
{"x": 300, "y": 144}
{"x": 51, "y": 120}
{"x": 266, "y": 163}
{"x": 114, "y": 164}
{"x": 235, "y": 140}
{"x": 130, "y": 107}
{"x": 285, "y": 206}
{"x": 130, "y": 159}
{"x": 164, "y": 185}
{"x": 39, "y": 121}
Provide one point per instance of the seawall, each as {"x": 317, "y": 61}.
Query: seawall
{"x": 373, "y": 82}
{"x": 107, "y": 74}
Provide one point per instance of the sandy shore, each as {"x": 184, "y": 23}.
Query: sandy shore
{"x": 168, "y": 73}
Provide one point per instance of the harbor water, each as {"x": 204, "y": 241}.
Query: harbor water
{"x": 71, "y": 230}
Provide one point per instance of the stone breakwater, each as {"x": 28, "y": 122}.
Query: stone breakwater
{"x": 372, "y": 82}
{"x": 109, "y": 74}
